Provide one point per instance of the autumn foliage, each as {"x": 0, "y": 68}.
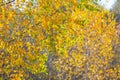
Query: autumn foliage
{"x": 57, "y": 40}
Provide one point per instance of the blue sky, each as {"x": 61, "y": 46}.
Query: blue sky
{"x": 107, "y": 3}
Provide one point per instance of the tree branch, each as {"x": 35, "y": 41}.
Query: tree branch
{"x": 7, "y": 3}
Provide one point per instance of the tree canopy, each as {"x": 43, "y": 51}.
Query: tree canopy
{"x": 56, "y": 40}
